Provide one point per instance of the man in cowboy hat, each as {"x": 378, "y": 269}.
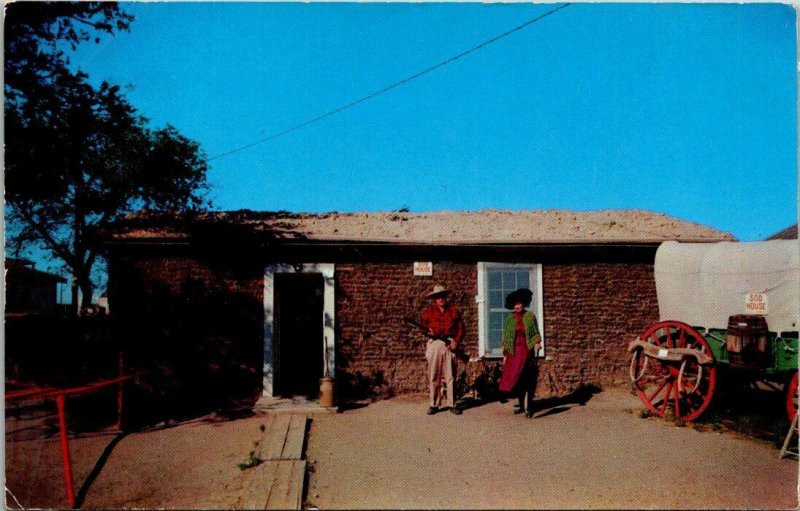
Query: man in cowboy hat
{"x": 445, "y": 330}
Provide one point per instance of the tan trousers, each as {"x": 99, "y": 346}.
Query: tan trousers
{"x": 441, "y": 364}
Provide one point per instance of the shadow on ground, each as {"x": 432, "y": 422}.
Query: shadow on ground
{"x": 353, "y": 405}
{"x": 101, "y": 462}
{"x": 742, "y": 406}
{"x": 551, "y": 405}
{"x": 579, "y": 397}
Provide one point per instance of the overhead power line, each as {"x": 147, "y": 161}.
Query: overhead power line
{"x": 390, "y": 87}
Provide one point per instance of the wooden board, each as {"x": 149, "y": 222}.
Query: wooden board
{"x": 275, "y": 437}
{"x": 287, "y": 485}
{"x": 264, "y": 440}
{"x": 276, "y": 484}
{"x": 258, "y": 489}
{"x": 295, "y": 438}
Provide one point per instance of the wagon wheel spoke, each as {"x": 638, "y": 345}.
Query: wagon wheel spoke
{"x": 665, "y": 336}
{"x": 698, "y": 392}
{"x": 689, "y": 389}
{"x": 692, "y": 377}
{"x": 649, "y": 380}
{"x": 694, "y": 401}
{"x": 658, "y": 390}
{"x": 663, "y": 407}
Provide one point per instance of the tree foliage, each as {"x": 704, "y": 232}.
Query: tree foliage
{"x": 36, "y": 32}
{"x": 78, "y": 156}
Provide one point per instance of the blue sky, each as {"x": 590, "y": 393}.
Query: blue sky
{"x": 685, "y": 109}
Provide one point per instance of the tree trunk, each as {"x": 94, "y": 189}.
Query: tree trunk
{"x": 85, "y": 284}
{"x": 74, "y": 307}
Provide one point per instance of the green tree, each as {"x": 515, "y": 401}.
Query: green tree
{"x": 37, "y": 32}
{"x": 79, "y": 157}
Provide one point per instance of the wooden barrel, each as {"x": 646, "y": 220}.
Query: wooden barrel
{"x": 747, "y": 339}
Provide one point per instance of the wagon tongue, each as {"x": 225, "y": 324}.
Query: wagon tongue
{"x": 669, "y": 354}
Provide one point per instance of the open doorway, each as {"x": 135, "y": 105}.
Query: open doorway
{"x": 298, "y": 340}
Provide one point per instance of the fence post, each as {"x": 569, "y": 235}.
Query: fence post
{"x": 120, "y": 393}
{"x": 62, "y": 424}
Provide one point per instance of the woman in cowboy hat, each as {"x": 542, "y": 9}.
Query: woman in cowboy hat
{"x": 521, "y": 341}
{"x": 445, "y": 330}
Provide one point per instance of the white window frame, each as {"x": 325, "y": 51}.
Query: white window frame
{"x": 483, "y": 304}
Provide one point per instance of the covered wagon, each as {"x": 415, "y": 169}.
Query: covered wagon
{"x": 722, "y": 306}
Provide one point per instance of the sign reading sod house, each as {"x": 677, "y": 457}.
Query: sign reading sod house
{"x": 756, "y": 303}
{"x": 423, "y": 269}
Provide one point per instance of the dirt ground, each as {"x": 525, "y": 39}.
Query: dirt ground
{"x": 389, "y": 454}
{"x": 190, "y": 465}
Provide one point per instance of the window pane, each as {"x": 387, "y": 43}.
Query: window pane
{"x": 495, "y": 279}
{"x": 495, "y": 341}
{"x": 496, "y": 321}
{"x": 495, "y": 299}
{"x": 509, "y": 281}
{"x": 523, "y": 280}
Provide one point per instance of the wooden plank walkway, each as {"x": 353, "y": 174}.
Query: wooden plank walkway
{"x": 278, "y": 482}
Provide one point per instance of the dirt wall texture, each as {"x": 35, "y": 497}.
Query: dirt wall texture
{"x": 192, "y": 330}
{"x": 193, "y": 326}
{"x": 591, "y": 312}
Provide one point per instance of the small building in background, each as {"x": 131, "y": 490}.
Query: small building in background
{"x": 29, "y": 290}
{"x": 102, "y": 303}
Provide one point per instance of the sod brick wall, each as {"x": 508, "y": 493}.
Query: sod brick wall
{"x": 378, "y": 353}
{"x": 194, "y": 325}
{"x": 591, "y": 312}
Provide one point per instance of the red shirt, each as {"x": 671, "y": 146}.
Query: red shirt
{"x": 447, "y": 323}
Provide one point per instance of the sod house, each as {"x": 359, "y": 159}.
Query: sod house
{"x": 246, "y": 305}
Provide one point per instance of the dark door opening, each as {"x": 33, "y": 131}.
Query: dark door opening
{"x": 298, "y": 334}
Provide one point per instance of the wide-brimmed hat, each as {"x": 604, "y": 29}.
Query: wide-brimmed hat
{"x": 523, "y": 296}
{"x": 438, "y": 290}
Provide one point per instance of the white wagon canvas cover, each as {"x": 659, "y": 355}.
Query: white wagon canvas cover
{"x": 702, "y": 284}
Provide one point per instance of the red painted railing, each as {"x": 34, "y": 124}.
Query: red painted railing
{"x": 61, "y": 395}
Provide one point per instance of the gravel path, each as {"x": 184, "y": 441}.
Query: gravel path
{"x": 391, "y": 455}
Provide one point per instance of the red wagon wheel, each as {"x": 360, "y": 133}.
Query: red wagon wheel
{"x": 791, "y": 396}
{"x": 687, "y": 387}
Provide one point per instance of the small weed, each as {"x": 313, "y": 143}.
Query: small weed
{"x": 254, "y": 461}
{"x": 680, "y": 423}
{"x": 644, "y": 414}
{"x": 698, "y": 427}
